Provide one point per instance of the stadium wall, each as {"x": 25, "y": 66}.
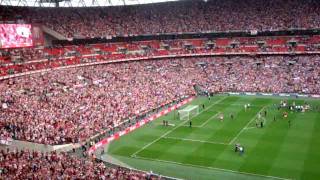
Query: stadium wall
{"x": 297, "y": 95}
{"x": 190, "y": 35}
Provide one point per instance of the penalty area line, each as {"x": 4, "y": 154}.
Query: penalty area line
{"x": 209, "y": 167}
{"x": 244, "y": 128}
{"x": 249, "y": 128}
{"x": 212, "y": 117}
{"x": 195, "y": 140}
{"x": 176, "y": 127}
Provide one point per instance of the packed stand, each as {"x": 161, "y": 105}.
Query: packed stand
{"x": 69, "y": 106}
{"x": 36, "y": 165}
{"x": 173, "y": 17}
{"x": 14, "y": 61}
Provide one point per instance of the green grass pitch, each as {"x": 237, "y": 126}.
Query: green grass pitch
{"x": 206, "y": 151}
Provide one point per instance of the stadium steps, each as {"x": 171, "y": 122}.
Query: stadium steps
{"x": 53, "y": 33}
{"x": 24, "y": 145}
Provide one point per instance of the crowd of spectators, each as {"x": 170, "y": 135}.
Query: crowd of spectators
{"x": 22, "y": 165}
{"x": 273, "y": 74}
{"x": 72, "y": 105}
{"x": 20, "y": 55}
{"x": 173, "y": 17}
{"x": 13, "y": 61}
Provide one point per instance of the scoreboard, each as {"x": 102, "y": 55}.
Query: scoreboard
{"x": 16, "y": 35}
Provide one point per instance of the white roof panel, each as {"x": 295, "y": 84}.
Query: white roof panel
{"x": 78, "y": 3}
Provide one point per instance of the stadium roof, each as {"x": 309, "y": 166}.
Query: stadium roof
{"x": 76, "y": 3}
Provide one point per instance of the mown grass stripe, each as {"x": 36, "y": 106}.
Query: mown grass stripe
{"x": 215, "y": 168}
{"x": 176, "y": 127}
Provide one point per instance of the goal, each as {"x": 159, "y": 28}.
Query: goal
{"x": 188, "y": 112}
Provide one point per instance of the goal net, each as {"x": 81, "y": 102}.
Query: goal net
{"x": 188, "y": 112}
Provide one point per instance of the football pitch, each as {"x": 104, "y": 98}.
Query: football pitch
{"x": 279, "y": 150}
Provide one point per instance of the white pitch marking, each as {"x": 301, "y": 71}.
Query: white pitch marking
{"x": 249, "y": 128}
{"x": 195, "y": 140}
{"x": 245, "y": 126}
{"x": 209, "y": 119}
{"x": 238, "y": 104}
{"x": 214, "y": 168}
{"x": 176, "y": 127}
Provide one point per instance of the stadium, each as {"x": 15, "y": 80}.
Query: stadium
{"x": 160, "y": 89}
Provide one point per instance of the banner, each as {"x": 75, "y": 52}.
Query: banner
{"x": 275, "y": 94}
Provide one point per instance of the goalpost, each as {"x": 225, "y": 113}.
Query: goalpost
{"x": 188, "y": 112}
